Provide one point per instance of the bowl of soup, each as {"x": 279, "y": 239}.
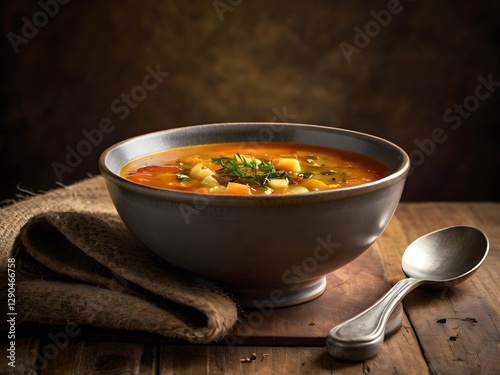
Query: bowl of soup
{"x": 263, "y": 211}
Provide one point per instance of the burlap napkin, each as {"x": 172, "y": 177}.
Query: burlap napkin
{"x": 76, "y": 261}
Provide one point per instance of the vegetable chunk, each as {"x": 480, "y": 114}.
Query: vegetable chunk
{"x": 312, "y": 183}
{"x": 278, "y": 183}
{"x": 235, "y": 188}
{"x": 199, "y": 171}
{"x": 287, "y": 164}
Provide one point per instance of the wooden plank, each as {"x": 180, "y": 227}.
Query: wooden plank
{"x": 196, "y": 360}
{"x": 400, "y": 354}
{"x": 458, "y": 331}
{"x": 91, "y": 357}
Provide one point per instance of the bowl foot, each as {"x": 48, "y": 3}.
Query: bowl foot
{"x": 271, "y": 297}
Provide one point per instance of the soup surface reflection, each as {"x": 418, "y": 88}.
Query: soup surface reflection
{"x": 249, "y": 169}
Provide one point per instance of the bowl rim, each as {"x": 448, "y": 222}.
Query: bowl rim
{"x": 256, "y": 200}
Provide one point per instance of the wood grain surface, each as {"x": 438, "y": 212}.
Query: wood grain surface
{"x": 452, "y": 331}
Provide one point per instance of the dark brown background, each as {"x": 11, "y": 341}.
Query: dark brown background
{"x": 260, "y": 58}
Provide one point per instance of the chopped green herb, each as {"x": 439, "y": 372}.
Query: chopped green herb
{"x": 249, "y": 171}
{"x": 182, "y": 177}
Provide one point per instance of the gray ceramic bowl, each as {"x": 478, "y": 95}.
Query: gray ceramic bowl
{"x": 264, "y": 249}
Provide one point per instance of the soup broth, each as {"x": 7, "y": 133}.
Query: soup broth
{"x": 250, "y": 169}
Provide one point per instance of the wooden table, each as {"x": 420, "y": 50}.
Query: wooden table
{"x": 468, "y": 342}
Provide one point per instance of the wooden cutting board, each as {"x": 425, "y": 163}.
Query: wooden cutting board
{"x": 349, "y": 291}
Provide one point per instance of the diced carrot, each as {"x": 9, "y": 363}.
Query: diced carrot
{"x": 235, "y": 188}
{"x": 312, "y": 183}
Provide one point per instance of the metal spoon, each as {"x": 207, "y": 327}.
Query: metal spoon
{"x": 442, "y": 258}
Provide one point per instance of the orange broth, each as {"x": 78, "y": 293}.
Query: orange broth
{"x": 249, "y": 169}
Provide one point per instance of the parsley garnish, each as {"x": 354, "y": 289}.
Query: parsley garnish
{"x": 247, "y": 170}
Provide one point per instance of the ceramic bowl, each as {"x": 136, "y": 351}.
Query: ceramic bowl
{"x": 263, "y": 249}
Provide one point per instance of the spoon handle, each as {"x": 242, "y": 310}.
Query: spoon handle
{"x": 362, "y": 336}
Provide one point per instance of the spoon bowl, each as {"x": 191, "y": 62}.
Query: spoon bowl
{"x": 448, "y": 256}
{"x": 442, "y": 258}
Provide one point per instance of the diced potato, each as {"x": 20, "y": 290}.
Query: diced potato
{"x": 209, "y": 181}
{"x": 287, "y": 164}
{"x": 278, "y": 183}
{"x": 199, "y": 171}
{"x": 237, "y": 189}
{"x": 312, "y": 183}
{"x": 297, "y": 190}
